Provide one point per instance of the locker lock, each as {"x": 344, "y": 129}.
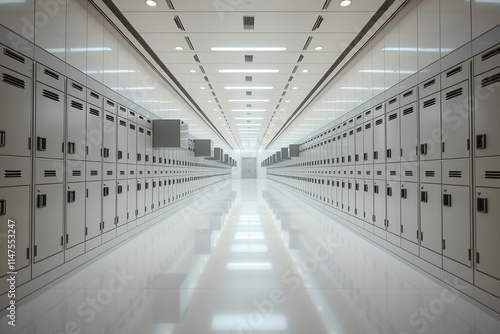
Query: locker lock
{"x": 424, "y": 196}
{"x": 41, "y": 144}
{"x": 404, "y": 193}
{"x": 41, "y": 201}
{"x": 447, "y": 200}
{"x": 71, "y": 196}
{"x": 481, "y": 142}
{"x": 482, "y": 205}
{"x": 423, "y": 149}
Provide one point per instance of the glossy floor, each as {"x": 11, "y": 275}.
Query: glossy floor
{"x": 250, "y": 257}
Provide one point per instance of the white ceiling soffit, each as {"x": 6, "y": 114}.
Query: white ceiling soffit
{"x": 250, "y": 93}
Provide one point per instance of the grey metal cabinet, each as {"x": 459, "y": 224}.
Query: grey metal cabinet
{"x": 131, "y": 200}
{"x": 379, "y": 204}
{"x": 455, "y": 117}
{"x": 409, "y": 133}
{"x": 76, "y": 120}
{"x": 379, "y": 146}
{"x": 131, "y": 143}
{"x": 457, "y": 223}
{"x": 16, "y": 94}
{"x": 333, "y": 151}
{"x": 351, "y": 190}
{"x": 93, "y": 209}
{"x": 161, "y": 193}
{"x": 368, "y": 143}
{"x": 409, "y": 211}
{"x": 338, "y": 188}
{"x": 75, "y": 214}
{"x": 148, "y": 192}
{"x": 338, "y": 150}
{"x": 141, "y": 145}
{"x": 94, "y": 133}
{"x": 345, "y": 147}
{"x": 48, "y": 227}
{"x": 487, "y": 231}
{"x": 393, "y": 221}
{"x": 393, "y": 151}
{"x": 121, "y": 202}
{"x": 430, "y": 127}
{"x": 15, "y": 206}
{"x": 358, "y": 154}
{"x": 49, "y": 118}
{"x": 430, "y": 221}
{"x": 109, "y": 136}
{"x": 108, "y": 206}
{"x": 368, "y": 201}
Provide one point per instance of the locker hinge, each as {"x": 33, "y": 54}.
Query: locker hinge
{"x": 36, "y": 250}
{"x": 444, "y": 244}
{"x": 477, "y": 257}
{"x": 470, "y": 254}
{"x": 102, "y": 226}
{"x": 87, "y": 193}
{"x": 401, "y": 152}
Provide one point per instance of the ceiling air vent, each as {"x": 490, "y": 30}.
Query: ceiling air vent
{"x": 248, "y": 22}
{"x": 248, "y": 59}
{"x": 318, "y": 23}
{"x": 170, "y": 4}
{"x": 210, "y": 86}
{"x": 196, "y": 59}
{"x": 216, "y": 100}
{"x": 327, "y": 4}
{"x": 301, "y": 58}
{"x": 178, "y": 22}
{"x": 290, "y": 79}
{"x": 248, "y": 78}
{"x": 188, "y": 41}
{"x": 249, "y": 93}
{"x": 309, "y": 40}
{"x": 249, "y": 106}
{"x": 206, "y": 78}
{"x": 202, "y": 69}
{"x": 295, "y": 69}
{"x": 286, "y": 87}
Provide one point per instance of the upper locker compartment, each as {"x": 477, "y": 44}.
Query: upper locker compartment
{"x": 16, "y": 62}
{"x": 110, "y": 106}
{"x": 76, "y": 89}
{"x": 50, "y": 77}
{"x": 455, "y": 75}
{"x": 487, "y": 60}
{"x": 49, "y": 115}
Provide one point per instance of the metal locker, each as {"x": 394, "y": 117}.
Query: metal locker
{"x": 408, "y": 96}
{"x": 379, "y": 205}
{"x": 149, "y": 147}
{"x": 455, "y": 121}
{"x": 393, "y": 152}
{"x": 333, "y": 151}
{"x": 351, "y": 190}
{"x": 141, "y": 145}
{"x": 457, "y": 223}
{"x": 110, "y": 106}
{"x": 109, "y": 206}
{"x": 430, "y": 127}
{"x": 75, "y": 89}
{"x": 109, "y": 134}
{"x": 131, "y": 200}
{"x": 345, "y": 195}
{"x": 345, "y": 148}
{"x": 155, "y": 203}
{"x": 393, "y": 222}
{"x": 430, "y": 86}
{"x": 131, "y": 154}
{"x": 368, "y": 143}
{"x": 15, "y": 123}
{"x": 333, "y": 192}
{"x": 359, "y": 209}
{"x": 430, "y": 221}
{"x": 48, "y": 227}
{"x": 338, "y": 195}
{"x": 409, "y": 133}
{"x": 140, "y": 189}
{"x": 94, "y": 133}
{"x": 379, "y": 140}
{"x": 161, "y": 193}
{"x": 76, "y": 119}
{"x": 368, "y": 201}
{"x": 351, "y": 148}
{"x": 75, "y": 214}
{"x": 50, "y": 77}
{"x": 358, "y": 154}
{"x": 93, "y": 208}
{"x": 487, "y": 231}
{"x": 49, "y": 116}
{"x": 409, "y": 211}
{"x": 338, "y": 150}
{"x": 15, "y": 206}
{"x": 486, "y": 112}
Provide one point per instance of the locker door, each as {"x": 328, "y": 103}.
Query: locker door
{"x": 49, "y": 114}
{"x": 131, "y": 200}
{"x": 161, "y": 193}
{"x": 141, "y": 145}
{"x": 149, "y": 147}
{"x": 379, "y": 140}
{"x": 108, "y": 206}
{"x": 333, "y": 151}
{"x": 487, "y": 231}
{"x": 487, "y": 116}
{"x": 351, "y": 148}
{"x": 338, "y": 187}
{"x": 345, "y": 196}
{"x": 131, "y": 143}
{"x": 379, "y": 209}
{"x": 338, "y": 150}
{"x": 456, "y": 223}
{"x": 155, "y": 195}
{"x": 121, "y": 153}
{"x": 393, "y": 151}
{"x": 93, "y": 207}
{"x": 48, "y": 220}
{"x": 455, "y": 121}
{"x": 359, "y": 211}
{"x": 94, "y": 133}
{"x": 430, "y": 127}
{"x": 15, "y": 205}
{"x": 75, "y": 214}
{"x": 351, "y": 189}
{"x": 148, "y": 191}
{"x": 76, "y": 119}
{"x": 368, "y": 143}
{"x": 121, "y": 203}
{"x": 140, "y": 197}
{"x": 17, "y": 100}
{"x": 409, "y": 133}
{"x": 393, "y": 207}
{"x": 409, "y": 211}
{"x": 333, "y": 192}
{"x": 368, "y": 201}
{"x": 345, "y": 148}
{"x": 109, "y": 145}
{"x": 430, "y": 213}
{"x": 358, "y": 155}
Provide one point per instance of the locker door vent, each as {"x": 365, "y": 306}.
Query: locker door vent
{"x": 132, "y": 113}
{"x": 110, "y": 103}
{"x": 76, "y": 105}
{"x": 369, "y": 112}
{"x": 455, "y": 174}
{"x": 407, "y": 94}
{"x": 344, "y": 135}
{"x": 141, "y": 130}
{"x": 178, "y": 22}
{"x": 492, "y": 175}
{"x": 77, "y": 87}
{"x": 110, "y": 118}
{"x": 454, "y": 93}
{"x": 429, "y": 103}
{"x": 393, "y": 173}
{"x": 490, "y": 54}
{"x": 132, "y": 126}
{"x": 430, "y": 173}
{"x": 123, "y": 123}
{"x": 51, "y": 95}
{"x": 14, "y": 55}
{"x": 122, "y": 109}
{"x": 94, "y": 112}
{"x": 393, "y": 101}
{"x": 189, "y": 43}
{"x": 122, "y": 172}
{"x": 13, "y": 81}
{"x": 351, "y": 132}
{"x": 379, "y": 122}
{"x": 379, "y": 172}
{"x": 490, "y": 80}
{"x": 318, "y": 22}
{"x": 429, "y": 83}
{"x": 301, "y": 58}
{"x": 9, "y": 174}
{"x": 393, "y": 117}
{"x": 327, "y": 4}
{"x": 368, "y": 126}
{"x": 408, "y": 173}
{"x": 408, "y": 111}
{"x": 378, "y": 107}
{"x": 309, "y": 40}
{"x": 359, "y": 129}
{"x": 49, "y": 173}
{"x": 51, "y": 74}
{"x": 94, "y": 173}
{"x": 77, "y": 173}
{"x": 248, "y": 22}
{"x": 454, "y": 71}
{"x": 94, "y": 95}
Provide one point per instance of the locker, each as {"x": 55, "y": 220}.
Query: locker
{"x": 48, "y": 227}
{"x": 359, "y": 210}
{"x": 122, "y": 112}
{"x": 488, "y": 172}
{"x": 487, "y": 116}
{"x": 110, "y": 106}
{"x": 155, "y": 201}
{"x": 15, "y": 205}
{"x": 149, "y": 147}
{"x": 345, "y": 195}
{"x": 430, "y": 86}
{"x": 379, "y": 140}
{"x": 75, "y": 89}
{"x": 393, "y": 152}
{"x": 409, "y": 133}
{"x": 430, "y": 127}
{"x": 76, "y": 119}
{"x": 109, "y": 144}
{"x": 430, "y": 213}
{"x": 455, "y": 121}
{"x": 487, "y": 231}
{"x": 338, "y": 149}
{"x": 140, "y": 188}
{"x": 345, "y": 148}
{"x": 368, "y": 201}
{"x": 456, "y": 223}
{"x": 49, "y": 115}
{"x": 15, "y": 127}
{"x": 121, "y": 171}
{"x": 93, "y": 208}
{"x": 409, "y": 211}
{"x": 392, "y": 104}
{"x": 15, "y": 171}
{"x": 487, "y": 60}
{"x": 94, "y": 133}
{"x": 338, "y": 195}
{"x": 75, "y": 214}
{"x": 141, "y": 145}
{"x": 393, "y": 197}
{"x": 131, "y": 200}
{"x": 50, "y": 77}
{"x": 456, "y": 172}
{"x": 351, "y": 190}
{"x": 368, "y": 143}
{"x": 109, "y": 207}
{"x": 455, "y": 75}
{"x": 409, "y": 96}
{"x": 16, "y": 61}
{"x": 131, "y": 143}
{"x": 161, "y": 193}
{"x": 94, "y": 98}
{"x": 379, "y": 206}
{"x": 351, "y": 148}
{"x": 358, "y": 155}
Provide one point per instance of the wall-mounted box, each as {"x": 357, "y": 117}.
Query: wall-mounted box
{"x": 293, "y": 150}
{"x": 203, "y": 148}
{"x": 284, "y": 153}
{"x": 170, "y": 133}
{"x": 226, "y": 159}
{"x": 278, "y": 156}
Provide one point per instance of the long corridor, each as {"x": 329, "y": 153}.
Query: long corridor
{"x": 247, "y": 256}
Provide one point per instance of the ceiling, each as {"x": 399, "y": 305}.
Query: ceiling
{"x": 248, "y": 117}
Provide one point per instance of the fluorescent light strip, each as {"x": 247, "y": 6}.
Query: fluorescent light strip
{"x": 248, "y": 110}
{"x": 248, "y": 49}
{"x": 248, "y": 88}
{"x": 233, "y": 323}
{"x": 363, "y": 88}
{"x": 248, "y": 118}
{"x": 249, "y": 124}
{"x": 248, "y": 100}
{"x": 344, "y": 101}
{"x": 248, "y": 71}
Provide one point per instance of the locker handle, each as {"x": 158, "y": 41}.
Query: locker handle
{"x": 389, "y": 191}
{"x": 365, "y": 188}
{"x": 41, "y": 201}
{"x": 120, "y": 155}
{"x": 106, "y": 191}
{"x": 447, "y": 200}
{"x": 375, "y": 189}
{"x": 389, "y": 153}
{"x": 423, "y": 149}
{"x": 3, "y": 207}
{"x": 365, "y": 156}
{"x": 71, "y": 196}
{"x": 482, "y": 205}
{"x": 404, "y": 193}
{"x": 481, "y": 142}
{"x": 41, "y": 144}
{"x": 71, "y": 148}
{"x": 2, "y": 138}
{"x": 120, "y": 189}
{"x": 375, "y": 155}
{"x": 424, "y": 196}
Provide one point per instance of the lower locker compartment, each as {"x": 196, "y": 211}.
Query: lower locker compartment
{"x": 75, "y": 220}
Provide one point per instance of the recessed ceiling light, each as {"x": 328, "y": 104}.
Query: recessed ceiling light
{"x": 295, "y": 88}
{"x": 305, "y": 71}
{"x": 345, "y": 3}
{"x": 318, "y": 48}
{"x": 248, "y": 88}
{"x": 151, "y": 3}
{"x": 179, "y": 48}
{"x": 209, "y": 101}
{"x": 248, "y": 71}
{"x": 192, "y": 71}
{"x": 202, "y": 88}
{"x": 248, "y": 49}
